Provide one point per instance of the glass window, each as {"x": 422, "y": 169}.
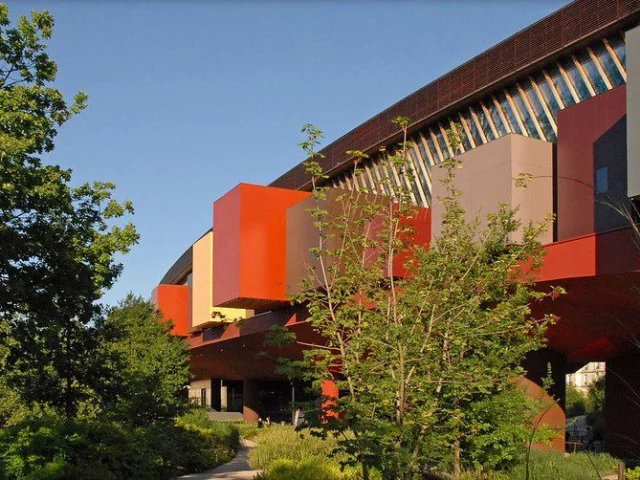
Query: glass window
{"x": 608, "y": 65}
{"x": 432, "y": 148}
{"x": 443, "y": 146}
{"x": 466, "y": 143}
{"x": 602, "y": 180}
{"x": 524, "y": 113}
{"x": 619, "y": 47}
{"x": 576, "y": 79}
{"x": 547, "y": 94}
{"x": 495, "y": 116}
{"x": 423, "y": 152}
{"x": 484, "y": 123}
{"x": 419, "y": 171}
{"x": 561, "y": 86}
{"x": 471, "y": 123}
{"x": 508, "y": 112}
{"x": 592, "y": 72}
{"x": 541, "y": 115}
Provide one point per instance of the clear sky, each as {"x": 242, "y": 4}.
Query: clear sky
{"x": 189, "y": 98}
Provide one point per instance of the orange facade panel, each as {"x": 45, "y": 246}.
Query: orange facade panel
{"x": 173, "y": 302}
{"x": 249, "y": 252}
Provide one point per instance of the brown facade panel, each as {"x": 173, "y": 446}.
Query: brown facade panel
{"x": 578, "y": 22}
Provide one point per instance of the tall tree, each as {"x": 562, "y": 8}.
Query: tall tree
{"x": 425, "y": 359}
{"x": 150, "y": 366}
{"x": 57, "y": 241}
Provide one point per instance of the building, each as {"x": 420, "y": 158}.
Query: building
{"x": 585, "y": 376}
{"x": 560, "y": 100}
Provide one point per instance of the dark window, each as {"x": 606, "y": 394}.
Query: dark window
{"x": 602, "y": 179}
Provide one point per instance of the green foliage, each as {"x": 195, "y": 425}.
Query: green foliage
{"x": 576, "y": 402}
{"x": 595, "y": 396}
{"x": 149, "y": 366}
{"x": 307, "y": 469}
{"x": 427, "y": 360}
{"x": 555, "y": 466}
{"x": 632, "y": 474}
{"x": 283, "y": 442}
{"x": 57, "y": 448}
{"x": 285, "y": 454}
{"x": 226, "y": 433}
{"x": 58, "y": 242}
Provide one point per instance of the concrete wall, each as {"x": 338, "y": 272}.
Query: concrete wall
{"x": 487, "y": 179}
{"x": 633, "y": 111}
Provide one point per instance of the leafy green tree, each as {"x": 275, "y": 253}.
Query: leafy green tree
{"x": 595, "y": 396}
{"x": 150, "y": 367}
{"x": 575, "y": 401}
{"x": 420, "y": 357}
{"x": 58, "y": 242}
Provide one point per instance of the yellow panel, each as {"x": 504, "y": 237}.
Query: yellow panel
{"x": 202, "y": 288}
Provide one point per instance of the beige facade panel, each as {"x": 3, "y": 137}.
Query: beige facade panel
{"x": 202, "y": 310}
{"x": 487, "y": 179}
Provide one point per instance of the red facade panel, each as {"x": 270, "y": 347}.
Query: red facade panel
{"x": 173, "y": 302}
{"x": 580, "y": 127}
{"x": 249, "y": 252}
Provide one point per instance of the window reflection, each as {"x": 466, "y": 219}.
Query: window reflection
{"x": 592, "y": 72}
{"x": 608, "y": 65}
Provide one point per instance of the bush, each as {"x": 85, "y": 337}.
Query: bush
{"x": 632, "y": 474}
{"x": 312, "y": 468}
{"x": 53, "y": 448}
{"x": 283, "y": 454}
{"x": 283, "y": 442}
{"x": 555, "y": 465}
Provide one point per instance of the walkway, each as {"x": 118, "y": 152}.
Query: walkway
{"x": 236, "y": 469}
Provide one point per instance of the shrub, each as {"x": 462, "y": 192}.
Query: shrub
{"x": 283, "y": 442}
{"x": 632, "y": 474}
{"x": 312, "y": 468}
{"x": 555, "y": 465}
{"x": 54, "y": 448}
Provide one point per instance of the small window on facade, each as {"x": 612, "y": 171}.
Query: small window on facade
{"x": 602, "y": 180}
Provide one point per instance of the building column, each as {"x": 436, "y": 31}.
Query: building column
{"x": 622, "y": 406}
{"x": 536, "y": 365}
{"x": 330, "y": 394}
{"x": 250, "y": 391}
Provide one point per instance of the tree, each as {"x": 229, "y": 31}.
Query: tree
{"x": 422, "y": 356}
{"x": 150, "y": 367}
{"x": 58, "y": 242}
{"x": 575, "y": 401}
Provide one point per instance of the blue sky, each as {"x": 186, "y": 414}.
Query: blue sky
{"x": 189, "y": 98}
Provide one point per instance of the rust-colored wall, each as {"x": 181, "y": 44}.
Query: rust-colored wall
{"x": 552, "y": 414}
{"x": 173, "y": 302}
{"x": 581, "y": 131}
{"x": 249, "y": 251}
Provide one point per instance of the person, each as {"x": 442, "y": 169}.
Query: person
{"x": 268, "y": 422}
{"x": 260, "y": 422}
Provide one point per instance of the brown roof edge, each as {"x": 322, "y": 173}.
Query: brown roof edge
{"x": 568, "y": 27}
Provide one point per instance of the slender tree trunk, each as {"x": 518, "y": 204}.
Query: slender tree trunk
{"x": 457, "y": 465}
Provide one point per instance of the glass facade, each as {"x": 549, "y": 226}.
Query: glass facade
{"x": 527, "y": 107}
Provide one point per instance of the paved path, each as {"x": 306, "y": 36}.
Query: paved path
{"x": 236, "y": 469}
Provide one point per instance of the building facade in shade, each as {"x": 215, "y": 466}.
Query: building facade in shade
{"x": 559, "y": 100}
